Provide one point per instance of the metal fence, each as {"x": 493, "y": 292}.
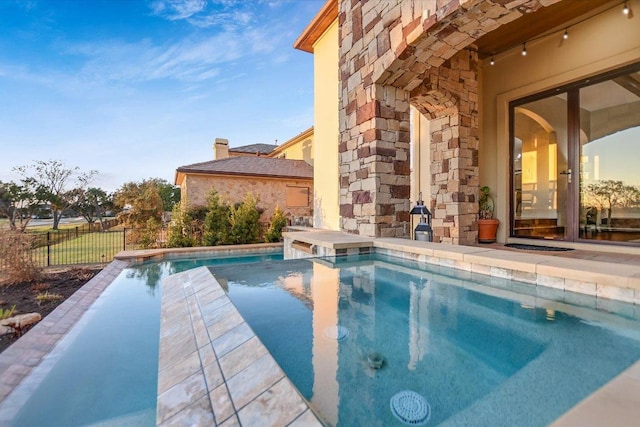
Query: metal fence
{"x": 84, "y": 245}
{"x": 88, "y": 244}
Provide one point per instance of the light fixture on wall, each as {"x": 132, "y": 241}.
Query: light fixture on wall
{"x": 565, "y": 33}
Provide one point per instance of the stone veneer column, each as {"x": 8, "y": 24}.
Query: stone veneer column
{"x": 449, "y": 97}
{"x": 374, "y": 164}
{"x": 394, "y": 52}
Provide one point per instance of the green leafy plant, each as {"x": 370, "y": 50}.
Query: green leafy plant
{"x": 6, "y": 313}
{"x": 277, "y": 224}
{"x": 47, "y": 297}
{"x": 486, "y": 203}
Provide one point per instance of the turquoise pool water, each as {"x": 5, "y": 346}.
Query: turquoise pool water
{"x": 104, "y": 372}
{"x": 481, "y": 351}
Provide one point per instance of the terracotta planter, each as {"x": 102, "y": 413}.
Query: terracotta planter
{"x": 487, "y": 229}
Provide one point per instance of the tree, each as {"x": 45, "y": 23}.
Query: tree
{"x": 93, "y": 203}
{"x": 169, "y": 193}
{"x": 19, "y": 202}
{"x": 140, "y": 202}
{"x": 245, "y": 227}
{"x": 217, "y": 221}
{"x": 606, "y": 194}
{"x": 57, "y": 184}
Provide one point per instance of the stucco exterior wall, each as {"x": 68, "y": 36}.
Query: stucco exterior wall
{"x": 326, "y": 212}
{"x": 420, "y": 155}
{"x": 270, "y": 192}
{"x": 597, "y": 45}
{"x": 299, "y": 150}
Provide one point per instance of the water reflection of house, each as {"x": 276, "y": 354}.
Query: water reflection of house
{"x": 536, "y": 99}
{"x": 277, "y": 175}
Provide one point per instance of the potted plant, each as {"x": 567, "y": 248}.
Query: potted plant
{"x": 487, "y": 225}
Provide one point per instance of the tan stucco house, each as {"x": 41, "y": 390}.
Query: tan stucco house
{"x": 257, "y": 169}
{"x": 537, "y": 99}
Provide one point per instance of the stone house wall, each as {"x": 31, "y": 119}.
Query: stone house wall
{"x": 270, "y": 192}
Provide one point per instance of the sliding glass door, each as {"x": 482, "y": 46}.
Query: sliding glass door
{"x": 540, "y": 168}
{"x": 575, "y": 161}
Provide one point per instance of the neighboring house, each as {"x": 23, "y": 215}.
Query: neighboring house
{"x": 221, "y": 149}
{"x": 300, "y": 147}
{"x": 287, "y": 183}
{"x": 538, "y": 99}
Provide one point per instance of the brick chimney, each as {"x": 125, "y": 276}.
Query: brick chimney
{"x": 220, "y": 149}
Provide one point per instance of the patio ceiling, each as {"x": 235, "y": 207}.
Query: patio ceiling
{"x": 545, "y": 20}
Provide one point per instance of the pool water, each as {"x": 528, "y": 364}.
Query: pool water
{"x": 104, "y": 372}
{"x": 482, "y": 351}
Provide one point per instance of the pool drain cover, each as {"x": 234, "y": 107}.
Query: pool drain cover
{"x": 410, "y": 408}
{"x": 336, "y": 332}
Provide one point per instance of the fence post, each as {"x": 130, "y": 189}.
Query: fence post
{"x": 124, "y": 239}
{"x": 48, "y": 249}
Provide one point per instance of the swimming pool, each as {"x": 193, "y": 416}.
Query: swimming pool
{"x": 104, "y": 372}
{"x": 479, "y": 350}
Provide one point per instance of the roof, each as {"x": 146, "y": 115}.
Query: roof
{"x": 255, "y": 148}
{"x": 318, "y": 25}
{"x": 252, "y": 166}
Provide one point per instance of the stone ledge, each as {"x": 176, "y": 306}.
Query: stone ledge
{"x": 212, "y": 368}
{"x": 199, "y": 251}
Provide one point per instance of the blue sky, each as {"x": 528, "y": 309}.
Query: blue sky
{"x": 135, "y": 89}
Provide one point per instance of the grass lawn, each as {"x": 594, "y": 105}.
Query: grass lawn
{"x": 86, "y": 249}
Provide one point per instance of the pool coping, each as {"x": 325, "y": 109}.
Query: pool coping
{"x": 213, "y": 369}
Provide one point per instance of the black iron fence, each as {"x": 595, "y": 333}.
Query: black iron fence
{"x": 85, "y": 245}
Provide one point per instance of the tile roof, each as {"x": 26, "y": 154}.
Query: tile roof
{"x": 255, "y": 148}
{"x": 252, "y": 166}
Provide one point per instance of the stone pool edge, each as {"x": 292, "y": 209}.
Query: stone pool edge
{"x": 213, "y": 369}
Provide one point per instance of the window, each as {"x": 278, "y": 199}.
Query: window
{"x": 297, "y": 197}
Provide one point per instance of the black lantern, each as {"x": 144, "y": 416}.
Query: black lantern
{"x": 423, "y": 231}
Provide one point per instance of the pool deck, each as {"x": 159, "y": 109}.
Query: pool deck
{"x": 213, "y": 370}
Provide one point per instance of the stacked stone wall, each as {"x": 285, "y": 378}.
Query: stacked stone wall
{"x": 397, "y": 53}
{"x": 270, "y": 192}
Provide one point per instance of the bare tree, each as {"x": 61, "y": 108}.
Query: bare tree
{"x": 60, "y": 186}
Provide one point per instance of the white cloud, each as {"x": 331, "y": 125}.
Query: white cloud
{"x": 177, "y": 9}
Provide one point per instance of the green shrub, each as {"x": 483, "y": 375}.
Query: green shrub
{"x": 186, "y": 228}
{"x": 277, "y": 224}
{"x": 149, "y": 236}
{"x": 244, "y": 219}
{"x": 217, "y": 221}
